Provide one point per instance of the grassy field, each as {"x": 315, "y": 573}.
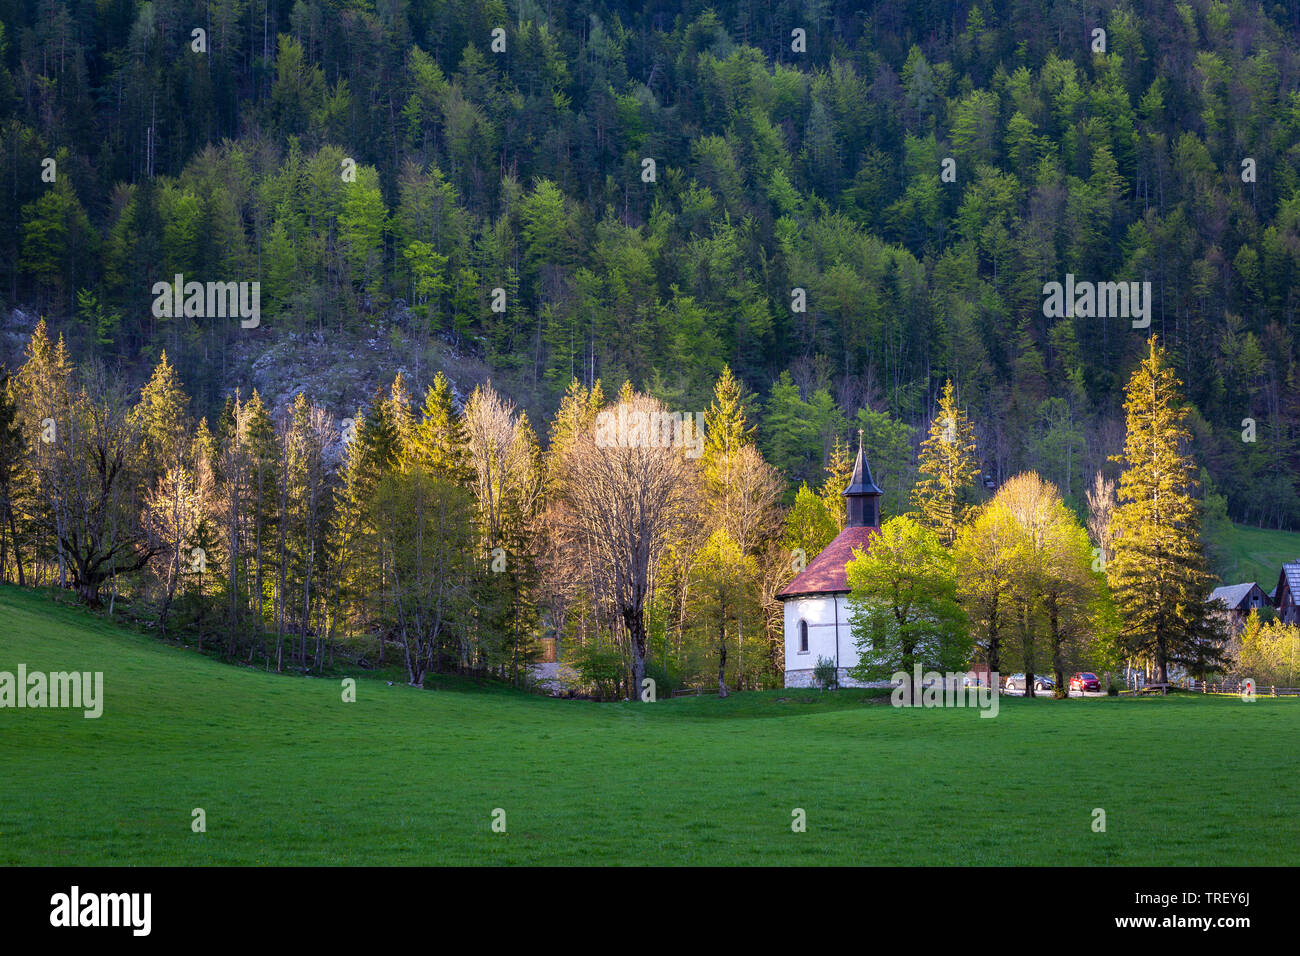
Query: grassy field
{"x": 289, "y": 774}
{"x": 1257, "y": 554}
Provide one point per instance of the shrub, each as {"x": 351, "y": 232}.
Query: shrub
{"x": 600, "y": 669}
{"x": 825, "y": 674}
{"x": 665, "y": 682}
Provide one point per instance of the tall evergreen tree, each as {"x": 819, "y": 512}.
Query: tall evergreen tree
{"x": 437, "y": 443}
{"x": 725, "y": 434}
{"x": 1158, "y": 570}
{"x": 13, "y": 479}
{"x": 839, "y": 471}
{"x": 948, "y": 468}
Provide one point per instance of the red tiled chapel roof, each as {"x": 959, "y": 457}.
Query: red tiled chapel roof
{"x": 825, "y": 573}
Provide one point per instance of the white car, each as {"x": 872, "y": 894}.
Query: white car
{"x": 1017, "y": 682}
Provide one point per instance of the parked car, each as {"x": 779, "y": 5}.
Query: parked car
{"x": 1017, "y": 682}
{"x": 1085, "y": 681}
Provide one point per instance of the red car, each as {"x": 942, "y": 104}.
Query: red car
{"x": 1085, "y": 682}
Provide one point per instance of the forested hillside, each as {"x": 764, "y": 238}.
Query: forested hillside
{"x": 658, "y": 189}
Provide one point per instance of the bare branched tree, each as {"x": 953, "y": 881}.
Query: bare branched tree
{"x": 1101, "y": 505}
{"x": 501, "y": 459}
{"x": 176, "y": 506}
{"x": 625, "y": 495}
{"x": 93, "y": 476}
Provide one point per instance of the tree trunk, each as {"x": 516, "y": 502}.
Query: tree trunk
{"x": 722, "y": 655}
{"x": 636, "y": 631}
{"x": 995, "y": 639}
{"x": 1058, "y": 661}
{"x": 88, "y": 591}
{"x": 1027, "y": 639}
{"x": 18, "y": 558}
{"x": 740, "y": 646}
{"x": 414, "y": 673}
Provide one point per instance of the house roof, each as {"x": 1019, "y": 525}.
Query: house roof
{"x": 825, "y": 573}
{"x": 1291, "y": 572}
{"x": 1233, "y": 594}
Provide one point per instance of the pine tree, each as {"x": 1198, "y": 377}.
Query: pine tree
{"x": 948, "y": 467}
{"x": 258, "y": 434}
{"x": 1158, "y": 570}
{"x": 42, "y": 390}
{"x": 741, "y": 493}
{"x": 371, "y": 455}
{"x": 437, "y": 443}
{"x": 176, "y": 496}
{"x": 725, "y": 434}
{"x": 522, "y": 543}
{"x": 13, "y": 480}
{"x": 399, "y": 411}
{"x": 839, "y": 471}
{"x": 162, "y": 416}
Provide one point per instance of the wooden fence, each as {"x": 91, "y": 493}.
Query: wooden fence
{"x": 1235, "y": 687}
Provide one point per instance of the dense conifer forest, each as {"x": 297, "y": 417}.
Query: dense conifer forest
{"x": 774, "y": 170}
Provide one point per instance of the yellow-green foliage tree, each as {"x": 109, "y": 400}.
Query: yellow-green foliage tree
{"x": 1158, "y": 571}
{"x": 948, "y": 467}
{"x": 1055, "y": 586}
{"x": 722, "y": 587}
{"x": 903, "y": 605}
{"x": 808, "y": 525}
{"x": 1025, "y": 577}
{"x": 988, "y": 553}
{"x": 1269, "y": 652}
{"x": 839, "y": 472}
{"x": 437, "y": 442}
{"x": 738, "y": 506}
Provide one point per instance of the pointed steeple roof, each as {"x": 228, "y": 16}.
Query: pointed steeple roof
{"x": 825, "y": 574}
{"x": 861, "y": 483}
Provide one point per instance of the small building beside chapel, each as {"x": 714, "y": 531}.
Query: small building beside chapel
{"x": 1240, "y": 600}
{"x": 816, "y": 611}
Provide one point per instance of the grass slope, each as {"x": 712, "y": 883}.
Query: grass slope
{"x": 288, "y": 774}
{"x": 1257, "y": 554}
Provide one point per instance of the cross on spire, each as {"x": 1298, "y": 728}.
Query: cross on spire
{"x": 862, "y": 496}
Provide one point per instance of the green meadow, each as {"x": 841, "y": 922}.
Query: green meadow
{"x": 287, "y": 773}
{"x": 1257, "y": 554}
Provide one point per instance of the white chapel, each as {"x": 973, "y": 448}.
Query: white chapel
{"x": 816, "y": 612}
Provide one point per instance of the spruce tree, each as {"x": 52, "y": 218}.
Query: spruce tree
{"x": 839, "y": 472}
{"x": 399, "y": 411}
{"x": 42, "y": 390}
{"x": 161, "y": 415}
{"x": 725, "y": 433}
{"x": 169, "y": 472}
{"x": 262, "y": 492}
{"x": 437, "y": 443}
{"x": 948, "y": 468}
{"x": 1158, "y": 570}
{"x": 13, "y": 482}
